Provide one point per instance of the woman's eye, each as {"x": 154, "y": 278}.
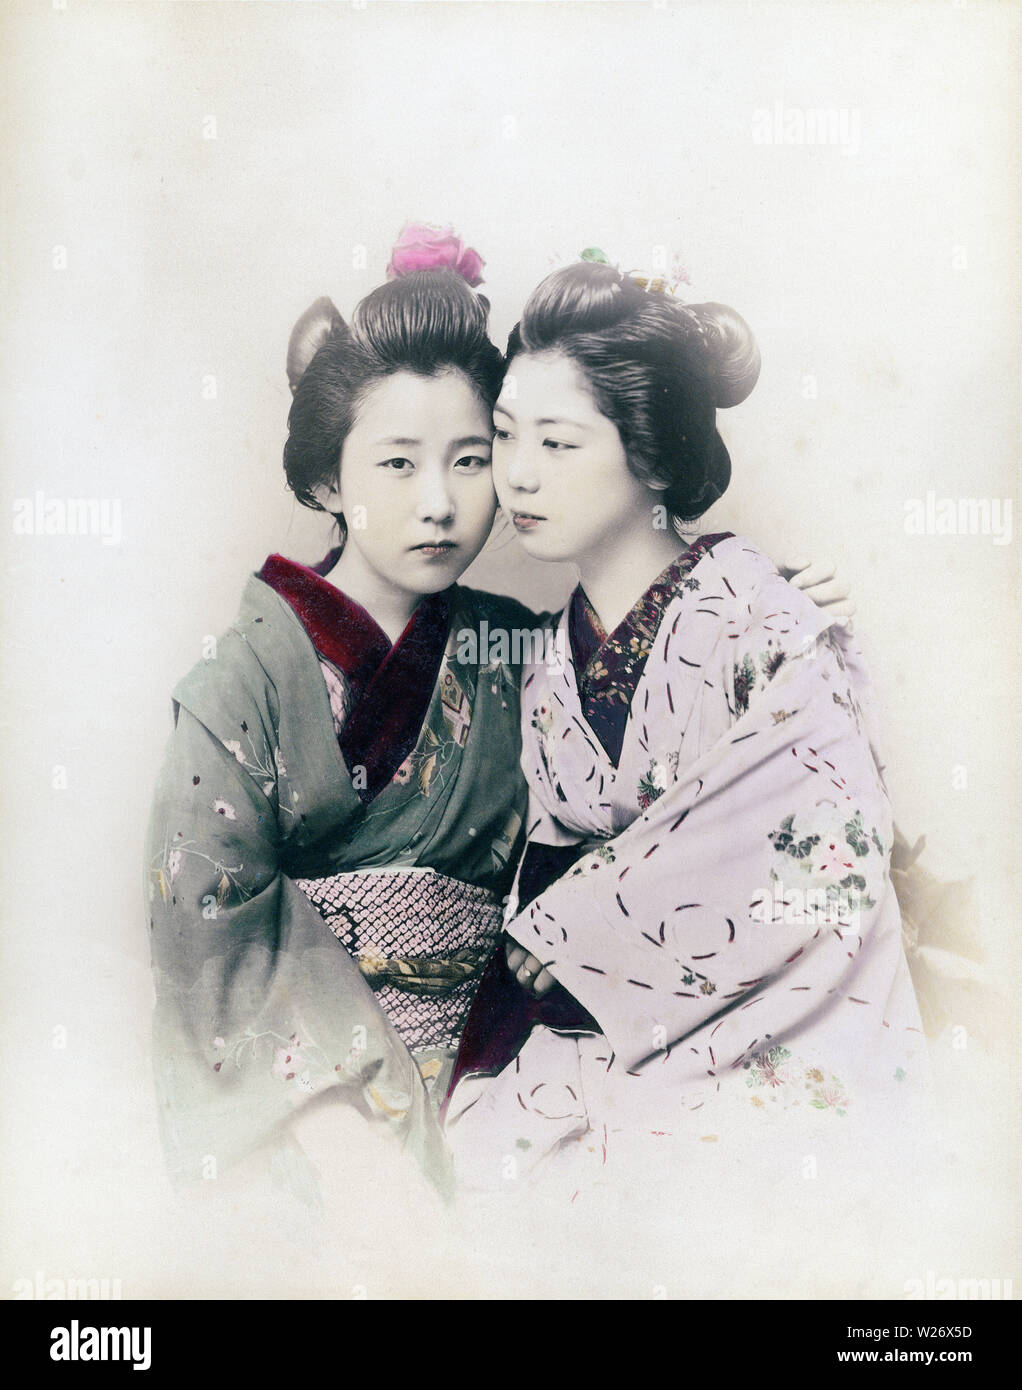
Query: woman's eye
{"x": 472, "y": 463}
{"x": 502, "y": 435}
{"x": 398, "y": 465}
{"x": 557, "y": 444}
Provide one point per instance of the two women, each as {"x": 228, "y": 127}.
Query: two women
{"x": 341, "y": 809}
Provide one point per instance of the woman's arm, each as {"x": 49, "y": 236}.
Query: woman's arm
{"x": 259, "y": 1009}
{"x": 682, "y": 924}
{"x": 817, "y": 580}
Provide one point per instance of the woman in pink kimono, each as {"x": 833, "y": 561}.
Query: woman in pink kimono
{"x": 344, "y": 773}
{"x": 704, "y": 923}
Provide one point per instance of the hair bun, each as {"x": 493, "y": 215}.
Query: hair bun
{"x": 733, "y": 356}
{"x": 698, "y": 489}
{"x": 585, "y": 297}
{"x": 308, "y": 336}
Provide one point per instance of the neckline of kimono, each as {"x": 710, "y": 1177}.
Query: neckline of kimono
{"x": 392, "y": 685}
{"x": 387, "y": 721}
{"x": 588, "y": 648}
{"x": 621, "y": 669}
{"x": 302, "y": 679}
{"x": 341, "y": 629}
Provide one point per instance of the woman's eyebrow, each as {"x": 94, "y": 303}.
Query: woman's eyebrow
{"x": 546, "y": 420}
{"x": 483, "y": 441}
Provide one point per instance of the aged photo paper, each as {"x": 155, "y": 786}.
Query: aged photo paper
{"x": 181, "y": 182}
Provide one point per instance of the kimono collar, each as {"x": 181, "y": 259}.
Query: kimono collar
{"x": 392, "y": 686}
{"x": 608, "y": 668}
{"x": 340, "y": 629}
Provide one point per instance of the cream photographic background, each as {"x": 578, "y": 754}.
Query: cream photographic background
{"x": 182, "y": 180}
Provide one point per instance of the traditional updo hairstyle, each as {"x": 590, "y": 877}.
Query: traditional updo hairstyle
{"x": 427, "y": 322}
{"x": 658, "y": 370}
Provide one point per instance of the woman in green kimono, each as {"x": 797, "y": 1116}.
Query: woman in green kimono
{"x": 345, "y": 770}
{"x": 338, "y": 764}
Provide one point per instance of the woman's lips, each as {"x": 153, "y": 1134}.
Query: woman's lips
{"x": 435, "y": 550}
{"x": 525, "y": 521}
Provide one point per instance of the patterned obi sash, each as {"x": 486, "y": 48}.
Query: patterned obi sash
{"x": 420, "y": 939}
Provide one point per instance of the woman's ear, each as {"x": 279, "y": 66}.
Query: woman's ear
{"x": 328, "y": 495}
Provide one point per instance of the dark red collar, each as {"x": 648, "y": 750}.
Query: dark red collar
{"x": 341, "y": 629}
{"x": 392, "y": 686}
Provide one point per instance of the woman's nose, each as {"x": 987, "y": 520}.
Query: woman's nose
{"x": 435, "y": 502}
{"x": 521, "y": 471}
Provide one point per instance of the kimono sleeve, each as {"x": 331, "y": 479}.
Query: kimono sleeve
{"x": 749, "y": 894}
{"x": 258, "y": 1008}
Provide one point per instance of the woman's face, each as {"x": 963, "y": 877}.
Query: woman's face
{"x": 559, "y": 466}
{"x": 414, "y": 481}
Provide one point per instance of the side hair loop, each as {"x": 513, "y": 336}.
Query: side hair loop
{"x": 732, "y": 356}
{"x": 315, "y": 326}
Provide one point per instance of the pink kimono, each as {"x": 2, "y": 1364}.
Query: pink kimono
{"x": 730, "y": 928}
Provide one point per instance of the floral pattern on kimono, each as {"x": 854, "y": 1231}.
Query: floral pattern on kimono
{"x": 744, "y": 940}
{"x": 259, "y": 1009}
{"x": 609, "y": 667}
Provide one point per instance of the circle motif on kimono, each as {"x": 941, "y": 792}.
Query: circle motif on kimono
{"x": 553, "y": 1102}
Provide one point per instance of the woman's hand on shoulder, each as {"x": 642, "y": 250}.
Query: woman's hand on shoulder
{"x": 818, "y": 581}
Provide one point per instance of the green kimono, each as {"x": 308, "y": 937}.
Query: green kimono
{"x": 260, "y": 1008}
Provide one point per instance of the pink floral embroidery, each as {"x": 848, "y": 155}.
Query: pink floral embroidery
{"x": 776, "y": 1069}
{"x": 291, "y": 1064}
{"x": 830, "y": 1096}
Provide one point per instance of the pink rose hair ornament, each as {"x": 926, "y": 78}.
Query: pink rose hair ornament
{"x": 424, "y": 247}
{"x": 419, "y": 247}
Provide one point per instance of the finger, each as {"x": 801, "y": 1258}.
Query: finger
{"x": 543, "y": 982}
{"x": 515, "y": 956}
{"x": 528, "y": 971}
{"x": 845, "y": 609}
{"x": 823, "y": 594}
{"x": 819, "y": 572}
{"x": 534, "y": 963}
{"x": 789, "y": 568}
